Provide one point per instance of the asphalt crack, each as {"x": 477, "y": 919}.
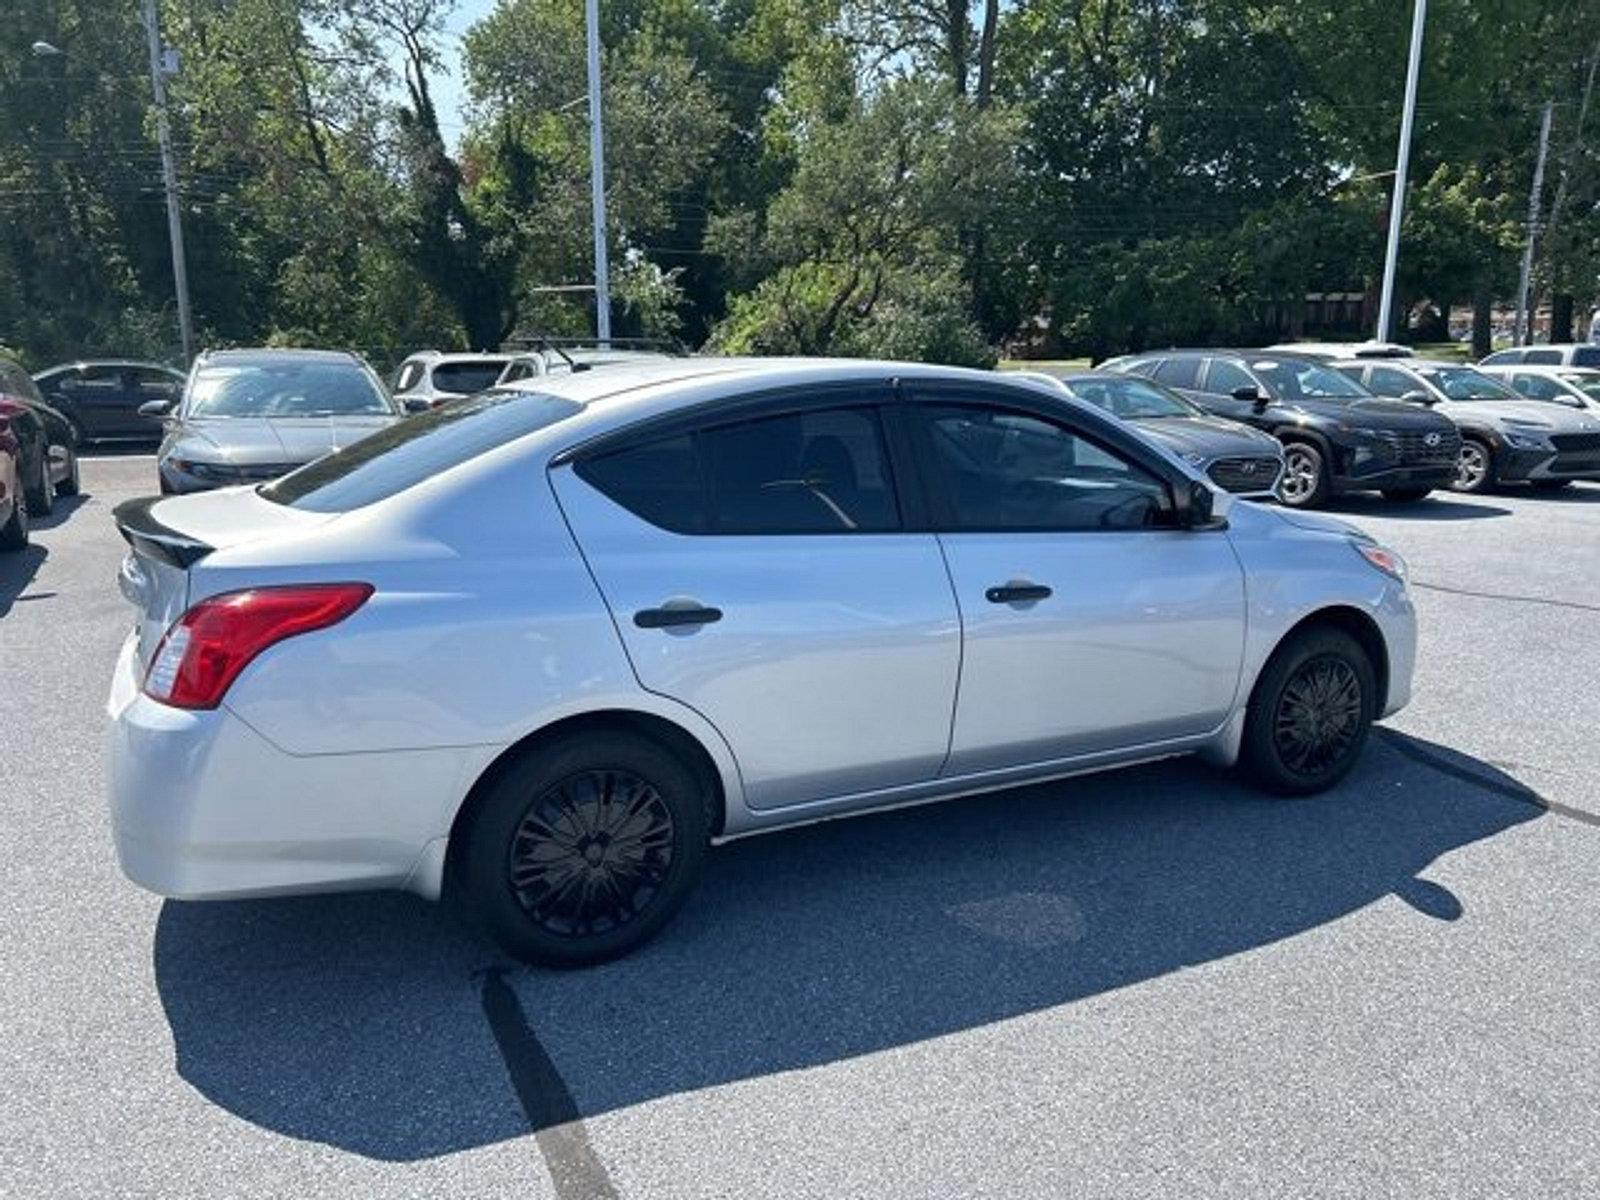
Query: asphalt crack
{"x": 1576, "y": 605}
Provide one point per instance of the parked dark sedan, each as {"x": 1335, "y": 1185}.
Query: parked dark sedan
{"x": 251, "y": 415}
{"x": 47, "y": 446}
{"x": 1337, "y": 436}
{"x": 102, "y": 397}
{"x": 1236, "y": 457}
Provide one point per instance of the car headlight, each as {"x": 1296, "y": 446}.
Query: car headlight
{"x": 1527, "y": 439}
{"x": 1381, "y": 557}
{"x": 211, "y": 472}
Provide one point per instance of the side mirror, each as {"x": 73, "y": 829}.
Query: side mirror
{"x": 1197, "y": 507}
{"x": 156, "y": 410}
{"x": 415, "y": 404}
{"x": 1419, "y": 397}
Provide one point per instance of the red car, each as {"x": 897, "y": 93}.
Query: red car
{"x": 38, "y": 455}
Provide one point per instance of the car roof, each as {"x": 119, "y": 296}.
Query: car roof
{"x": 1368, "y": 349}
{"x": 1244, "y": 354}
{"x": 438, "y": 356}
{"x": 1563, "y": 370}
{"x": 268, "y": 354}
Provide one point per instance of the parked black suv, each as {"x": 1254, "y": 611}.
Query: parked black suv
{"x": 1337, "y": 436}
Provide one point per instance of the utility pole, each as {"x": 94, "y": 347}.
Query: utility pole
{"x": 1391, "y": 256}
{"x": 597, "y": 177}
{"x": 1522, "y": 331}
{"x": 169, "y": 178}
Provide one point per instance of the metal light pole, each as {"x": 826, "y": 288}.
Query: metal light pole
{"x": 597, "y": 177}
{"x": 1521, "y": 331}
{"x": 169, "y": 178}
{"x": 1391, "y": 256}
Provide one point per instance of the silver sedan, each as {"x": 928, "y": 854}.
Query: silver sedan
{"x": 542, "y": 646}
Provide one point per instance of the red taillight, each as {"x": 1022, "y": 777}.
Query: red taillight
{"x": 206, "y": 648}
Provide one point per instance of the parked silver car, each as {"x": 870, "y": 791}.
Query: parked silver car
{"x": 543, "y": 645}
{"x": 1505, "y": 438}
{"x": 252, "y": 415}
{"x": 1575, "y": 387}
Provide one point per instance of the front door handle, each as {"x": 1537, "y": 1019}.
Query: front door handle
{"x": 670, "y": 616}
{"x": 1015, "y": 592}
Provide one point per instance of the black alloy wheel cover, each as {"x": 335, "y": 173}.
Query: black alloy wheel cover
{"x": 591, "y": 853}
{"x": 1318, "y": 716}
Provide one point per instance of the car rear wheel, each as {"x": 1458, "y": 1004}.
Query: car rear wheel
{"x": 584, "y": 849}
{"x": 14, "y": 533}
{"x": 1305, "y": 476}
{"x": 1474, "y": 467}
{"x": 1408, "y": 495}
{"x": 1310, "y": 713}
{"x": 41, "y": 495}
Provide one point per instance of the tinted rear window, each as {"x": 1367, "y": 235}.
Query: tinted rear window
{"x": 464, "y": 378}
{"x": 1586, "y": 356}
{"x": 418, "y": 448}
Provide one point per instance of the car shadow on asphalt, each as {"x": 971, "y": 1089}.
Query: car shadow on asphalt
{"x": 1433, "y": 508}
{"x": 359, "y": 1021}
{"x": 64, "y": 507}
{"x": 17, "y": 571}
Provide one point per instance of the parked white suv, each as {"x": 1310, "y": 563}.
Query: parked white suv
{"x": 1561, "y": 354}
{"x": 431, "y": 377}
{"x": 544, "y": 645}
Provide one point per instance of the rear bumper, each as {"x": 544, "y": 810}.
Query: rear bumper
{"x": 203, "y": 807}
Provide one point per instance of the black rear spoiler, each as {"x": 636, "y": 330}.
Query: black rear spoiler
{"x": 141, "y": 529}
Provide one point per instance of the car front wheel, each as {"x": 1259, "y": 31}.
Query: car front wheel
{"x": 14, "y": 533}
{"x": 42, "y": 494}
{"x": 582, "y": 850}
{"x": 71, "y": 483}
{"x": 1474, "y": 467}
{"x": 1305, "y": 476}
{"x": 1310, "y": 713}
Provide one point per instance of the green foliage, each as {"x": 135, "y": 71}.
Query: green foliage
{"x": 916, "y": 180}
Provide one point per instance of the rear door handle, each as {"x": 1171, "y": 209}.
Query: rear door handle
{"x": 1016, "y": 592}
{"x": 670, "y": 616}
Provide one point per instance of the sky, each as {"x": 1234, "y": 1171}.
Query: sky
{"x": 449, "y": 86}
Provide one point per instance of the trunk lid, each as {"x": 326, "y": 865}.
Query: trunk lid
{"x": 168, "y": 535}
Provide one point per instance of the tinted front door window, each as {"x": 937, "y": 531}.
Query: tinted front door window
{"x": 1224, "y": 376}
{"x": 995, "y": 469}
{"x": 1178, "y": 372}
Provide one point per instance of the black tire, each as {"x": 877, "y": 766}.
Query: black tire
{"x": 1550, "y": 485}
{"x": 1474, "y": 468}
{"x": 41, "y": 494}
{"x": 72, "y": 484}
{"x": 1407, "y": 495}
{"x": 14, "y": 533}
{"x": 1305, "y": 476}
{"x": 658, "y": 818}
{"x": 1322, "y": 662}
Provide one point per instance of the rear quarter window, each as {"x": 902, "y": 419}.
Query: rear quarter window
{"x": 1586, "y": 356}
{"x": 401, "y": 456}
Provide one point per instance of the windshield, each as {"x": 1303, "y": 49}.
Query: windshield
{"x": 404, "y": 454}
{"x": 1131, "y": 399}
{"x": 1589, "y": 385}
{"x": 1464, "y": 383}
{"x": 1297, "y": 379}
{"x": 465, "y": 378}
{"x": 286, "y": 389}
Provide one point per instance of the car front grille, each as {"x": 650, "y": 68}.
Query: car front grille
{"x": 1576, "y": 443}
{"x": 1249, "y": 474}
{"x": 1416, "y": 449}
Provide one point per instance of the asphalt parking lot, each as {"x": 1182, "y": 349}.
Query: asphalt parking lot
{"x": 1148, "y": 983}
